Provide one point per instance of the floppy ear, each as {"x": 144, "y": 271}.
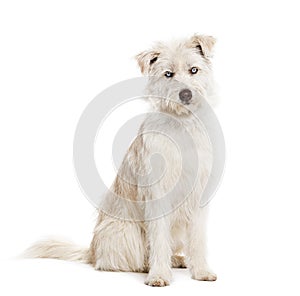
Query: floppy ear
{"x": 205, "y": 44}
{"x": 146, "y": 59}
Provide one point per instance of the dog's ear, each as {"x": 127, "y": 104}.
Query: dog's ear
{"x": 204, "y": 44}
{"x": 146, "y": 59}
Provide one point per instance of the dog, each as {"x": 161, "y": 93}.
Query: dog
{"x": 158, "y": 233}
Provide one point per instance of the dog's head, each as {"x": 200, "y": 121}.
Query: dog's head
{"x": 179, "y": 73}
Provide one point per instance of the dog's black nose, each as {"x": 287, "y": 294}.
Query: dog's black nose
{"x": 185, "y": 95}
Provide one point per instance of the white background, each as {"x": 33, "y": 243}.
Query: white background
{"x": 56, "y": 56}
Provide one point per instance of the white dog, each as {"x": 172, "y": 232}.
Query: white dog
{"x": 158, "y": 200}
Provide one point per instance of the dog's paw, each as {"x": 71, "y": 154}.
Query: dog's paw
{"x": 204, "y": 275}
{"x": 157, "y": 281}
{"x": 178, "y": 261}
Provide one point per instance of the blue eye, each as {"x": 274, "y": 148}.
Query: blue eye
{"x": 169, "y": 74}
{"x": 194, "y": 70}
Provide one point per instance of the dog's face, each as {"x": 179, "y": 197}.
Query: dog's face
{"x": 179, "y": 73}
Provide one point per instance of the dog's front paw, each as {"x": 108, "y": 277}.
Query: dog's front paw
{"x": 157, "y": 281}
{"x": 204, "y": 275}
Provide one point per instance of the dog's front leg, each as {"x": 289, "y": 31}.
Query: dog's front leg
{"x": 197, "y": 247}
{"x": 158, "y": 234}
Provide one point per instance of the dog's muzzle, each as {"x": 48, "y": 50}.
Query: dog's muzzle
{"x": 185, "y": 96}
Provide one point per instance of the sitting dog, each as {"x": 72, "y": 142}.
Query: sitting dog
{"x": 161, "y": 229}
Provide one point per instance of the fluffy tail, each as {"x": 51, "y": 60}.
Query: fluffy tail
{"x": 56, "y": 249}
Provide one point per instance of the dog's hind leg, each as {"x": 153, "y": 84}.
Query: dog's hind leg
{"x": 178, "y": 261}
{"x": 118, "y": 246}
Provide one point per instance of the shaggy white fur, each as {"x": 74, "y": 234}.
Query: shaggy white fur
{"x": 151, "y": 215}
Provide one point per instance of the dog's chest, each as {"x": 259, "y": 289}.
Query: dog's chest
{"x": 179, "y": 155}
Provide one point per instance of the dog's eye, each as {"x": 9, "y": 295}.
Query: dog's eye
{"x": 194, "y": 70}
{"x": 169, "y": 74}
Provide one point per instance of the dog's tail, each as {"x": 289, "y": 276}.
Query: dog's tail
{"x": 57, "y": 249}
